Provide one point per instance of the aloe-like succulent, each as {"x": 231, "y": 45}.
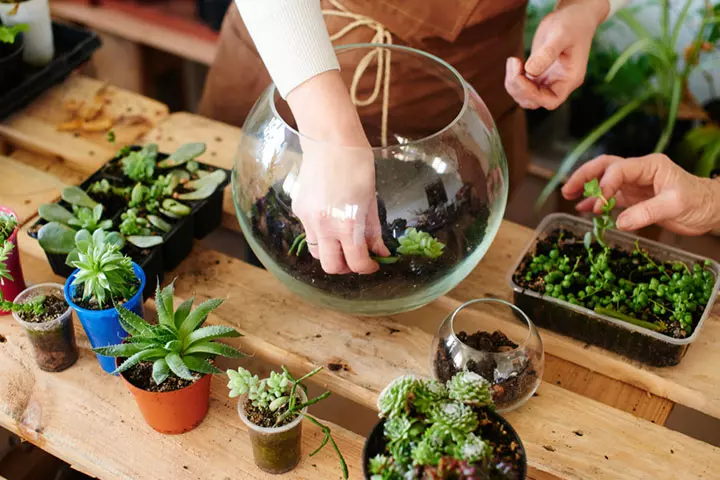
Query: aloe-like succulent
{"x": 8, "y": 223}
{"x": 417, "y": 242}
{"x": 104, "y": 274}
{"x": 178, "y": 344}
{"x": 5, "y": 249}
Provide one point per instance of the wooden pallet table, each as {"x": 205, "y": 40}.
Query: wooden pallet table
{"x": 595, "y": 415}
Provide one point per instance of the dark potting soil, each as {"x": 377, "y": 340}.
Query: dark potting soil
{"x": 459, "y": 223}
{"x": 623, "y": 266}
{"x": 507, "y": 463}
{"x": 263, "y": 417}
{"x": 141, "y": 376}
{"x": 54, "y": 306}
{"x": 91, "y": 303}
{"x": 506, "y": 392}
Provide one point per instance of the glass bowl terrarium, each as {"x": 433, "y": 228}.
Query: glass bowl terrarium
{"x": 440, "y": 183}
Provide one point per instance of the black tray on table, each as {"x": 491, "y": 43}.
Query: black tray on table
{"x": 73, "y": 47}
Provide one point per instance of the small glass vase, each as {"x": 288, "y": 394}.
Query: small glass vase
{"x": 53, "y": 341}
{"x": 275, "y": 450}
{"x": 496, "y": 340}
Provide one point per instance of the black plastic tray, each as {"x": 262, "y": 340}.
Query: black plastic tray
{"x": 73, "y": 47}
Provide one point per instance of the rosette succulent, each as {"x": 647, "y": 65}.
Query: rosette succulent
{"x": 470, "y": 388}
{"x": 416, "y": 242}
{"x": 456, "y": 417}
{"x": 394, "y": 399}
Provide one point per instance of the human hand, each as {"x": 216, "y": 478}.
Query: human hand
{"x": 334, "y": 194}
{"x": 559, "y": 55}
{"x": 654, "y": 189}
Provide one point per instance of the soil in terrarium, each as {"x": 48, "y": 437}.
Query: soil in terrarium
{"x": 506, "y": 392}
{"x": 141, "y": 377}
{"x": 91, "y": 303}
{"x": 459, "y": 223}
{"x": 262, "y": 417}
{"x": 665, "y": 297}
{"x": 55, "y": 349}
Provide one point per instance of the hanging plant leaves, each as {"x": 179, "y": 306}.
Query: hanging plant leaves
{"x": 52, "y": 212}
{"x": 145, "y": 241}
{"x": 54, "y": 237}
{"x": 182, "y": 155}
{"x": 159, "y": 223}
{"x": 77, "y": 196}
{"x": 214, "y": 178}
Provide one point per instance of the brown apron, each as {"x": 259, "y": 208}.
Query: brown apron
{"x": 474, "y": 36}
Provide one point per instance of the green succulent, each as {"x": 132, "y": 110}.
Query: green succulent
{"x": 417, "y": 242}
{"x": 139, "y": 166}
{"x": 178, "y": 344}
{"x": 393, "y": 400}
{"x": 472, "y": 449}
{"x": 133, "y": 224}
{"x": 384, "y": 468}
{"x": 431, "y": 448}
{"x": 104, "y": 273}
{"x": 471, "y": 388}
{"x": 58, "y": 235}
{"x": 8, "y": 34}
{"x": 5, "y": 274}
{"x": 8, "y": 224}
{"x": 403, "y": 429}
{"x": 455, "y": 416}
{"x": 106, "y": 188}
{"x": 427, "y": 394}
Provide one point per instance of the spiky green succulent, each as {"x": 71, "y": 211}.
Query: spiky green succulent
{"x": 8, "y": 223}
{"x": 178, "y": 344}
{"x": 393, "y": 400}
{"x": 5, "y": 249}
{"x": 469, "y": 387}
{"x": 427, "y": 394}
{"x": 417, "y": 242}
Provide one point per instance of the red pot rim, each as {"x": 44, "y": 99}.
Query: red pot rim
{"x": 13, "y": 236}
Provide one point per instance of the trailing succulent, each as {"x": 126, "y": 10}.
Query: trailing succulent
{"x": 432, "y": 430}
{"x": 277, "y": 396}
{"x": 104, "y": 273}
{"x": 667, "y": 297}
{"x": 178, "y": 344}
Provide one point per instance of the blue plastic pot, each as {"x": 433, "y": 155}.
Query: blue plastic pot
{"x": 103, "y": 326}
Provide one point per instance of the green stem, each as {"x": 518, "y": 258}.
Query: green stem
{"x": 329, "y": 437}
{"x": 295, "y": 243}
{"x": 675, "y": 98}
{"x": 627, "y": 318}
{"x": 679, "y": 23}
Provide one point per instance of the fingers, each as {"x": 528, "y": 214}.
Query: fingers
{"x": 575, "y": 185}
{"x": 373, "y": 233}
{"x": 546, "y": 54}
{"x": 525, "y": 92}
{"x": 332, "y": 259}
{"x": 651, "y": 211}
{"x": 312, "y": 242}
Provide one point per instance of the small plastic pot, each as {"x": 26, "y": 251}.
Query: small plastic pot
{"x": 103, "y": 326}
{"x": 176, "y": 412}
{"x": 53, "y": 341}
{"x": 12, "y": 288}
{"x": 275, "y": 450}
{"x": 39, "y": 44}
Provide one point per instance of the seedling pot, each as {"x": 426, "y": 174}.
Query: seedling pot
{"x": 12, "y": 288}
{"x": 39, "y": 47}
{"x": 275, "y": 450}
{"x": 53, "y": 341}
{"x": 176, "y": 412}
{"x": 103, "y": 326}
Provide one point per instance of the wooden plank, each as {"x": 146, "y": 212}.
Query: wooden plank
{"x": 281, "y": 328}
{"x": 23, "y": 188}
{"x": 61, "y": 412}
{"x": 36, "y": 127}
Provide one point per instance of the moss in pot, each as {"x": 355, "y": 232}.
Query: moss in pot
{"x": 273, "y": 409}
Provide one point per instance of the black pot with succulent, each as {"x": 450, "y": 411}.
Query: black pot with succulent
{"x": 11, "y": 53}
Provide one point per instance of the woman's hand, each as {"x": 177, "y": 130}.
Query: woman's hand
{"x": 654, "y": 189}
{"x": 334, "y": 197}
{"x": 559, "y": 56}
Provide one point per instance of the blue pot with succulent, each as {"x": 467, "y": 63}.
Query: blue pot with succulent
{"x": 104, "y": 278}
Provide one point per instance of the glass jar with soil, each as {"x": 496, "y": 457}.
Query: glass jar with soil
{"x": 51, "y": 332}
{"x": 437, "y": 179}
{"x": 496, "y": 340}
{"x": 276, "y": 449}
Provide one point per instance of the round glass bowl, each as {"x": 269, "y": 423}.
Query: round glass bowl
{"x": 439, "y": 171}
{"x": 496, "y": 340}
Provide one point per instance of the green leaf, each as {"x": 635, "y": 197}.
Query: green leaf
{"x": 52, "y": 212}
{"x": 639, "y": 46}
{"x": 215, "y": 178}
{"x": 180, "y": 174}
{"x": 133, "y": 323}
{"x": 178, "y": 367}
{"x": 200, "y": 365}
{"x": 210, "y": 333}
{"x": 183, "y": 154}
{"x": 148, "y": 241}
{"x": 9, "y": 33}
{"x": 77, "y": 196}
{"x": 200, "y": 194}
{"x": 161, "y": 371}
{"x": 182, "y": 311}
{"x": 165, "y": 314}
{"x": 675, "y": 98}
{"x": 114, "y": 238}
{"x": 152, "y": 354}
{"x": 198, "y": 316}
{"x": 56, "y": 238}
{"x": 592, "y": 189}
{"x": 216, "y": 349}
{"x": 176, "y": 208}
{"x": 122, "y": 350}
{"x": 174, "y": 346}
{"x": 159, "y": 223}
{"x": 709, "y": 160}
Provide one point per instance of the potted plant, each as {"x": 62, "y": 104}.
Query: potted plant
{"x": 11, "y": 275}
{"x": 273, "y": 410}
{"x": 665, "y": 98}
{"x": 11, "y": 50}
{"x": 39, "y": 47}
{"x": 635, "y": 297}
{"x": 167, "y": 366}
{"x": 431, "y": 430}
{"x": 47, "y": 320}
{"x": 103, "y": 277}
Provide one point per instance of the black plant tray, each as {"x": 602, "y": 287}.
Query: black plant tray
{"x": 73, "y": 47}
{"x": 580, "y": 323}
{"x": 151, "y": 261}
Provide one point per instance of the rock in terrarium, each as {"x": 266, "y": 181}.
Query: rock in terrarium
{"x": 440, "y": 188}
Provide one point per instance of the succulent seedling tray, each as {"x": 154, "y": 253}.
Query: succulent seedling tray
{"x": 73, "y": 47}
{"x": 204, "y": 217}
{"x": 627, "y": 339}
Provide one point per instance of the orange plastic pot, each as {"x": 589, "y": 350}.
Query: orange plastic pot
{"x": 177, "y": 412}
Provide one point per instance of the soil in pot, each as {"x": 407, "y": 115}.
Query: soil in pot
{"x": 52, "y": 337}
{"x": 263, "y": 417}
{"x": 459, "y": 223}
{"x": 141, "y": 376}
{"x": 507, "y": 391}
{"x": 91, "y": 303}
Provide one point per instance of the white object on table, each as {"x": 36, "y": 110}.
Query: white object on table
{"x": 39, "y": 47}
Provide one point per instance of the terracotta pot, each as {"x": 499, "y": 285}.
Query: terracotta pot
{"x": 177, "y": 412}
{"x": 12, "y": 288}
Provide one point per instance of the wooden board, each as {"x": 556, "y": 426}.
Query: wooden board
{"x": 36, "y": 127}
{"x": 23, "y": 188}
{"x": 370, "y": 352}
{"x": 90, "y": 420}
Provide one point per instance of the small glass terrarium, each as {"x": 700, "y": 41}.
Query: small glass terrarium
{"x": 435, "y": 178}
{"x": 496, "y": 340}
